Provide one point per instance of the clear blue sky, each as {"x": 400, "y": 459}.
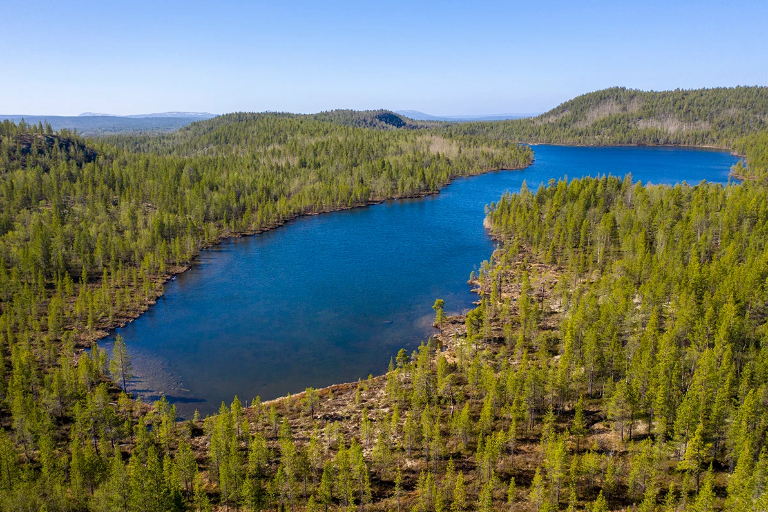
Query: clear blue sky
{"x": 443, "y": 57}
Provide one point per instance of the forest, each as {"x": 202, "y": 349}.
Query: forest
{"x": 91, "y": 228}
{"x": 619, "y": 116}
{"x": 617, "y": 358}
{"x": 754, "y": 148}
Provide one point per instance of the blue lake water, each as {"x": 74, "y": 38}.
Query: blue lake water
{"x": 330, "y": 298}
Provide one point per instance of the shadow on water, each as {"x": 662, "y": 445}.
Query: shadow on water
{"x": 330, "y": 298}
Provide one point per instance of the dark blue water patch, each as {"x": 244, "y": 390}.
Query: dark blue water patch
{"x": 330, "y": 298}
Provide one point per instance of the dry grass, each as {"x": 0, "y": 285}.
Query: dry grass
{"x": 443, "y": 146}
{"x": 673, "y": 125}
{"x": 553, "y": 118}
{"x": 608, "y": 108}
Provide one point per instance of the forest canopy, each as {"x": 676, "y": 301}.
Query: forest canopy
{"x": 617, "y": 357}
{"x": 696, "y": 117}
{"x": 91, "y": 228}
{"x": 754, "y": 147}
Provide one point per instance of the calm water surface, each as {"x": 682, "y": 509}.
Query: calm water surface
{"x": 330, "y": 298}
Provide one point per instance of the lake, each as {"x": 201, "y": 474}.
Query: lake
{"x": 330, "y": 298}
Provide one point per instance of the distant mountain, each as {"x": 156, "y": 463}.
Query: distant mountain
{"x": 421, "y": 116}
{"x": 94, "y": 124}
{"x": 199, "y": 115}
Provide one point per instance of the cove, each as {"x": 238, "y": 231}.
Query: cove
{"x": 330, "y": 298}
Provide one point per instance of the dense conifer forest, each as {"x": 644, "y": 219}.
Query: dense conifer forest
{"x": 698, "y": 117}
{"x": 91, "y": 228}
{"x": 754, "y": 147}
{"x": 617, "y": 358}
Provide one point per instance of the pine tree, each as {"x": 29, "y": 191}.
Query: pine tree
{"x": 187, "y": 466}
{"x": 486, "y": 496}
{"x": 536, "y": 495}
{"x": 459, "y": 502}
{"x": 696, "y": 454}
{"x": 398, "y": 486}
{"x": 325, "y": 491}
{"x": 120, "y": 363}
{"x": 573, "y": 500}
{"x": 311, "y": 401}
{"x": 439, "y": 307}
{"x": 200, "y": 499}
{"x": 579, "y": 427}
{"x": 77, "y": 472}
{"x": 705, "y": 499}
{"x": 117, "y": 487}
{"x": 600, "y": 505}
{"x": 511, "y": 494}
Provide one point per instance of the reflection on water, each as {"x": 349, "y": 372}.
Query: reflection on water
{"x": 330, "y": 298}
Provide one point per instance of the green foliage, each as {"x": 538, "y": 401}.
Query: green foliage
{"x": 640, "y": 308}
{"x": 439, "y": 307}
{"x": 668, "y": 293}
{"x": 120, "y": 363}
{"x": 89, "y": 230}
{"x": 754, "y": 147}
{"x": 717, "y": 116}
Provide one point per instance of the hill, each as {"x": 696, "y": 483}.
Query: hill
{"x": 380, "y": 119}
{"x": 698, "y": 117}
{"x": 261, "y": 129}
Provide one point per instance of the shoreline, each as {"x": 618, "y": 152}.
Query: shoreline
{"x": 160, "y": 280}
{"x": 681, "y": 146}
{"x": 107, "y": 327}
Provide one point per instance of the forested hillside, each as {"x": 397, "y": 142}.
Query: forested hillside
{"x": 241, "y": 131}
{"x": 382, "y": 119}
{"x": 696, "y": 117}
{"x": 90, "y": 229}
